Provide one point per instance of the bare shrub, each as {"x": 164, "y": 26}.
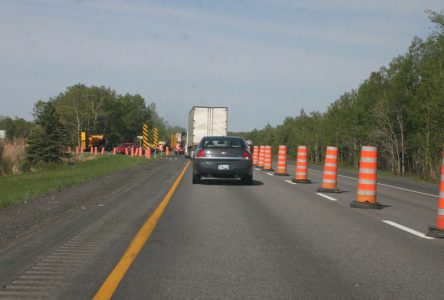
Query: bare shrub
{"x": 13, "y": 155}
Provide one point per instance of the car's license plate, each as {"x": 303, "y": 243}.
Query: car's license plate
{"x": 223, "y": 167}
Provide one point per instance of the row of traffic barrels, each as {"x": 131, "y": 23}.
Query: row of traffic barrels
{"x": 367, "y": 183}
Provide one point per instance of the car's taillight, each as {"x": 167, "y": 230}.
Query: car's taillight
{"x": 246, "y": 155}
{"x": 201, "y": 153}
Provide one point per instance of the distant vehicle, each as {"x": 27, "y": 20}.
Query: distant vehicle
{"x": 120, "y": 149}
{"x": 222, "y": 157}
{"x": 205, "y": 121}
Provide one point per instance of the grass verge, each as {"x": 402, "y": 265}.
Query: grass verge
{"x": 17, "y": 188}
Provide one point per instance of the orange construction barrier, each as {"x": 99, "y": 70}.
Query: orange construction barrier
{"x": 114, "y": 151}
{"x": 301, "y": 166}
{"x": 282, "y": 161}
{"x": 260, "y": 163}
{"x": 126, "y": 151}
{"x": 366, "y": 196}
{"x": 148, "y": 153}
{"x": 96, "y": 150}
{"x": 329, "y": 180}
{"x": 255, "y": 155}
{"x": 268, "y": 160}
{"x": 140, "y": 151}
{"x": 438, "y": 230}
{"x": 103, "y": 150}
{"x": 132, "y": 151}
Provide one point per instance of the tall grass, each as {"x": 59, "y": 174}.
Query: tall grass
{"x": 12, "y": 156}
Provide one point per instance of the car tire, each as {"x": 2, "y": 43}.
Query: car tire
{"x": 196, "y": 178}
{"x": 247, "y": 179}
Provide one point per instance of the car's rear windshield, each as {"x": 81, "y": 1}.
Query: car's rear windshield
{"x": 222, "y": 142}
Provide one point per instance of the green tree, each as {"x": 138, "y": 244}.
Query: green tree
{"x": 46, "y": 142}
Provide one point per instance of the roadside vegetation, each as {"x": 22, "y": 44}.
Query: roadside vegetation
{"x": 33, "y": 156}
{"x": 52, "y": 177}
{"x": 399, "y": 108}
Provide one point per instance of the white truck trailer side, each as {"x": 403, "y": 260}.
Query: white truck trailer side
{"x": 205, "y": 121}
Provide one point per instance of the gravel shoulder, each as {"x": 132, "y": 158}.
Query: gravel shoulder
{"x": 24, "y": 219}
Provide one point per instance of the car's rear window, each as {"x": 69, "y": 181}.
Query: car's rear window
{"x": 223, "y": 142}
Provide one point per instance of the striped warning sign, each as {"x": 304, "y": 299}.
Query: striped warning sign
{"x": 155, "y": 138}
{"x": 145, "y": 136}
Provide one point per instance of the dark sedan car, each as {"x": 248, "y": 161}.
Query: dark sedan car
{"x": 222, "y": 157}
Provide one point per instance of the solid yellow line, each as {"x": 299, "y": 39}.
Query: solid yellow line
{"x": 110, "y": 285}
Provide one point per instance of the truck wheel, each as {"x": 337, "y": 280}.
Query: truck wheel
{"x": 196, "y": 179}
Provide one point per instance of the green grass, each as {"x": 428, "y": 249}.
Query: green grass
{"x": 16, "y": 188}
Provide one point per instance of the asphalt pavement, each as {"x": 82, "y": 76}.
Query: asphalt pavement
{"x": 224, "y": 240}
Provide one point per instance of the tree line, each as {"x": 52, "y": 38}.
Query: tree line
{"x": 399, "y": 108}
{"x": 59, "y": 120}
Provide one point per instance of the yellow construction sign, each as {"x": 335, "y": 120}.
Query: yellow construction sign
{"x": 145, "y": 136}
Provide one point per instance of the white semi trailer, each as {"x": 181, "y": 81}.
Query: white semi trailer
{"x": 205, "y": 121}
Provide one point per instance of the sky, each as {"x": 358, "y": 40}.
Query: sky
{"x": 264, "y": 59}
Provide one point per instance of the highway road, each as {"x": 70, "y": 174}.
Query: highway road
{"x": 221, "y": 239}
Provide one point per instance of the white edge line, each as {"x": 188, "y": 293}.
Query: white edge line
{"x": 386, "y": 185}
{"x": 327, "y": 197}
{"x": 407, "y": 190}
{"x": 271, "y": 174}
{"x": 290, "y": 182}
{"x": 409, "y": 230}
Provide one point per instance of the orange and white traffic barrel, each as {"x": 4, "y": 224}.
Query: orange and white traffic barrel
{"x": 301, "y": 175}
{"x": 268, "y": 160}
{"x": 261, "y": 157}
{"x": 366, "y": 195}
{"x": 132, "y": 151}
{"x": 282, "y": 161}
{"x": 438, "y": 230}
{"x": 255, "y": 155}
{"x": 329, "y": 179}
{"x": 148, "y": 153}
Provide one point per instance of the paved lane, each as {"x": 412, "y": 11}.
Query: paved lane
{"x": 71, "y": 258}
{"x": 277, "y": 240}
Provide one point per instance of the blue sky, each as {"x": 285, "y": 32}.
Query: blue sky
{"x": 264, "y": 59}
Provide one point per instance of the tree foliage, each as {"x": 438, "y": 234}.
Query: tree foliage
{"x": 399, "y": 108}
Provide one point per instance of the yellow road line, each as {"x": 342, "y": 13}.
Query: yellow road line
{"x": 110, "y": 285}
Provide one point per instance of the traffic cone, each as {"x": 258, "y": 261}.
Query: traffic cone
{"x": 268, "y": 160}
{"x": 255, "y": 155}
{"x": 366, "y": 196}
{"x": 438, "y": 230}
{"x": 260, "y": 163}
{"x": 301, "y": 166}
{"x": 329, "y": 179}
{"x": 148, "y": 153}
{"x": 282, "y": 161}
